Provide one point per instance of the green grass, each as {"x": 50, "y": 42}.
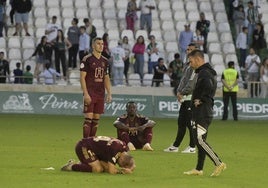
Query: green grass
{"x": 32, "y": 142}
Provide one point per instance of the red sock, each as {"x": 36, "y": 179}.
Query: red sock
{"x": 87, "y": 127}
{"x": 82, "y": 167}
{"x": 94, "y": 127}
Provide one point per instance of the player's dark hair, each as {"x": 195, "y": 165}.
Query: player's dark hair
{"x": 230, "y": 64}
{"x": 130, "y": 103}
{"x": 196, "y": 53}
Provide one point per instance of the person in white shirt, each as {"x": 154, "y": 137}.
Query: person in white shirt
{"x": 49, "y": 75}
{"x": 153, "y": 53}
{"x": 198, "y": 39}
{"x": 241, "y": 44}
{"x": 253, "y": 63}
{"x": 51, "y": 33}
{"x": 146, "y": 7}
{"x": 118, "y": 57}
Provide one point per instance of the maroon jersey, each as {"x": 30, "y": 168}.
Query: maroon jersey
{"x": 105, "y": 148}
{"x": 139, "y": 120}
{"x": 96, "y": 70}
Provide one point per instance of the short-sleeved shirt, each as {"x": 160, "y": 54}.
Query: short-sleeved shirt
{"x": 139, "y": 120}
{"x": 96, "y": 70}
{"x": 102, "y": 148}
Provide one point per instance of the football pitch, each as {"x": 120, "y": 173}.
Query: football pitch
{"x": 29, "y": 143}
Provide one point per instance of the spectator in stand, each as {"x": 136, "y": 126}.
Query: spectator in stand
{"x": 139, "y": 50}
{"x": 118, "y": 57}
{"x": 51, "y": 33}
{"x": 43, "y": 55}
{"x": 61, "y": 44}
{"x": 159, "y": 71}
{"x": 49, "y": 74}
{"x": 18, "y": 74}
{"x": 146, "y": 7}
{"x": 241, "y": 44}
{"x": 131, "y": 15}
{"x": 12, "y": 12}
{"x": 198, "y": 40}
{"x": 127, "y": 49}
{"x": 203, "y": 25}
{"x": 73, "y": 36}
{"x": 106, "y": 51}
{"x": 28, "y": 76}
{"x": 153, "y": 53}
{"x": 185, "y": 38}
{"x": 90, "y": 30}
{"x": 22, "y": 9}
{"x": 175, "y": 70}
{"x": 83, "y": 43}
{"x": 4, "y": 68}
{"x": 264, "y": 78}
{"x": 253, "y": 63}
{"x": 2, "y": 16}
{"x": 239, "y": 19}
{"x": 259, "y": 41}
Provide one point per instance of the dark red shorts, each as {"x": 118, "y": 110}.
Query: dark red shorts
{"x": 84, "y": 154}
{"x": 96, "y": 106}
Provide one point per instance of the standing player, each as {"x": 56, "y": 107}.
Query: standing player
{"x": 135, "y": 129}
{"x": 94, "y": 80}
{"x": 202, "y": 111}
{"x": 101, "y": 154}
{"x": 184, "y": 94}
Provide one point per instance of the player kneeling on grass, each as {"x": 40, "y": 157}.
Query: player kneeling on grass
{"x": 135, "y": 129}
{"x": 101, "y": 154}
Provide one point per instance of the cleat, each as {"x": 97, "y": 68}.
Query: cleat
{"x": 68, "y": 166}
{"x": 131, "y": 147}
{"x": 219, "y": 169}
{"x": 147, "y": 147}
{"x": 194, "y": 172}
{"x": 171, "y": 149}
{"x": 189, "y": 150}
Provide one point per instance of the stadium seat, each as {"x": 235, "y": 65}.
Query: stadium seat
{"x": 218, "y": 6}
{"x": 98, "y": 23}
{"x": 141, "y": 32}
{"x": 167, "y": 25}
{"x": 177, "y": 5}
{"x": 39, "y": 3}
{"x": 67, "y": 4}
{"x": 221, "y": 17}
{"x": 213, "y": 37}
{"x": 109, "y": 14}
{"x": 179, "y": 15}
{"x": 54, "y": 3}
{"x": 172, "y": 47}
{"x": 108, "y": 4}
{"x": 180, "y": 25}
{"x": 40, "y": 12}
{"x": 40, "y": 22}
{"x": 14, "y": 53}
{"x": 205, "y": 6}
{"x": 113, "y": 34}
{"x": 39, "y": 32}
{"x": 111, "y": 24}
{"x": 154, "y": 15}
{"x": 166, "y": 80}
{"x": 147, "y": 79}
{"x": 28, "y": 42}
{"x": 223, "y": 27}
{"x": 82, "y": 13}
{"x": 67, "y": 22}
{"x": 121, "y": 14}
{"x": 53, "y": 11}
{"x": 193, "y": 16}
{"x": 93, "y": 4}
{"x": 127, "y": 33}
{"x": 14, "y": 42}
{"x": 27, "y": 53}
{"x": 157, "y": 34}
{"x": 81, "y": 4}
{"x": 191, "y": 6}
{"x": 226, "y": 37}
{"x": 170, "y": 35}
{"x": 113, "y": 43}
{"x": 134, "y": 79}
{"x": 231, "y": 57}
{"x": 214, "y": 47}
{"x": 164, "y": 5}
{"x": 216, "y": 59}
{"x": 67, "y": 12}
{"x": 219, "y": 68}
{"x": 74, "y": 77}
{"x": 228, "y": 48}
{"x": 95, "y": 13}
{"x": 165, "y": 15}
{"x": 156, "y": 25}
{"x": 2, "y": 42}
{"x": 121, "y": 4}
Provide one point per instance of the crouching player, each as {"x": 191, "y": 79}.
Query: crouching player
{"x": 101, "y": 154}
{"x": 135, "y": 129}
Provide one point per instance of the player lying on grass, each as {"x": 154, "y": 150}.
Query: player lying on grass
{"x": 135, "y": 129}
{"x": 101, "y": 154}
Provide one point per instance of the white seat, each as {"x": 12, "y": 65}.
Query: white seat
{"x": 160, "y": 46}
{"x": 14, "y": 42}
{"x": 221, "y": 17}
{"x": 108, "y": 4}
{"x": 113, "y": 34}
{"x": 213, "y": 37}
{"x": 154, "y": 14}
{"x": 53, "y": 11}
{"x": 54, "y": 3}
{"x": 39, "y": 3}
{"x": 216, "y": 59}
{"x": 80, "y": 3}
{"x": 212, "y": 27}
{"x": 109, "y": 14}
{"x": 167, "y": 25}
{"x": 128, "y": 33}
{"x": 121, "y": 4}
{"x": 170, "y": 35}
{"x": 214, "y": 47}
{"x": 218, "y": 6}
{"x": 164, "y": 5}
{"x": 100, "y": 33}
{"x": 180, "y": 25}
{"x": 226, "y": 37}
{"x": 96, "y": 13}
{"x": 74, "y": 77}
{"x": 165, "y": 15}
{"x": 40, "y": 22}
{"x": 121, "y": 14}
{"x": 264, "y": 17}
{"x": 231, "y": 57}
{"x": 177, "y": 5}
{"x": 166, "y": 80}
{"x": 209, "y": 16}
{"x": 67, "y": 4}
{"x": 179, "y": 15}
{"x": 155, "y": 24}
{"x": 67, "y": 12}
{"x": 193, "y": 16}
{"x": 223, "y": 27}
{"x": 147, "y": 79}
{"x": 134, "y": 79}
{"x": 113, "y": 43}
{"x": 94, "y": 4}
{"x": 219, "y": 68}
{"x": 98, "y": 23}
{"x": 191, "y": 6}
{"x": 14, "y": 53}
{"x": 157, "y": 34}
{"x": 67, "y": 22}
{"x": 142, "y": 33}
{"x": 2, "y": 42}
{"x": 82, "y": 13}
{"x": 206, "y": 57}
{"x": 39, "y": 12}
{"x": 205, "y": 6}
{"x": 228, "y": 48}
{"x": 28, "y": 42}
{"x": 39, "y": 32}
{"x": 111, "y": 24}
{"x": 172, "y": 47}
{"x": 27, "y": 53}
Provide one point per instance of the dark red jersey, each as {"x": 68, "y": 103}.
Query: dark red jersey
{"x": 96, "y": 70}
{"x": 139, "y": 120}
{"x": 105, "y": 148}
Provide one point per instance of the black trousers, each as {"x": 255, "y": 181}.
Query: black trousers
{"x": 226, "y": 97}
{"x": 60, "y": 57}
{"x": 72, "y": 53}
{"x": 184, "y": 121}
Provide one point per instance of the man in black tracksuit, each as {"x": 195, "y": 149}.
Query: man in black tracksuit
{"x": 202, "y": 111}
